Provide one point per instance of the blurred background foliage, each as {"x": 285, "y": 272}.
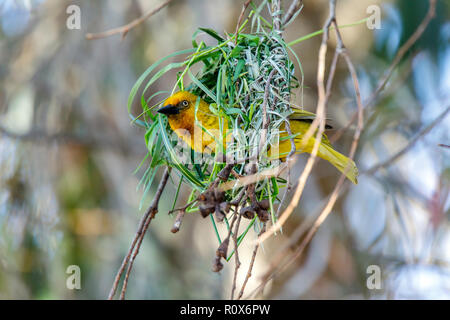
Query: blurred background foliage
{"x": 67, "y": 155}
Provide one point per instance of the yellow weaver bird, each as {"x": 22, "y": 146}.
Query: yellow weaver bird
{"x": 180, "y": 111}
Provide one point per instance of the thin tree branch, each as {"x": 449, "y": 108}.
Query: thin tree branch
{"x": 266, "y": 120}
{"x": 289, "y": 160}
{"x": 338, "y": 188}
{"x": 241, "y": 17}
{"x": 404, "y": 49}
{"x": 398, "y": 58}
{"x": 293, "y": 8}
{"x": 276, "y": 6}
{"x": 411, "y": 143}
{"x": 319, "y": 121}
{"x": 44, "y": 137}
{"x": 123, "y": 30}
{"x": 136, "y": 243}
{"x": 252, "y": 262}
{"x": 178, "y": 220}
{"x": 236, "y": 255}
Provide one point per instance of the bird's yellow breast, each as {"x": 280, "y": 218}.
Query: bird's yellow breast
{"x": 201, "y": 129}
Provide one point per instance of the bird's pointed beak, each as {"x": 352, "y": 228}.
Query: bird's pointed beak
{"x": 169, "y": 109}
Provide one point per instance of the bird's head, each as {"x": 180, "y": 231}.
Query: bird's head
{"x": 178, "y": 104}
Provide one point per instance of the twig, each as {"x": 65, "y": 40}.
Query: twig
{"x": 404, "y": 49}
{"x": 151, "y": 212}
{"x": 223, "y": 248}
{"x": 299, "y": 231}
{"x": 126, "y": 28}
{"x": 183, "y": 208}
{"x": 252, "y": 262}
{"x": 43, "y": 136}
{"x": 253, "y": 178}
{"x": 338, "y": 188}
{"x": 276, "y": 18}
{"x": 319, "y": 121}
{"x": 236, "y": 255}
{"x": 266, "y": 119}
{"x": 241, "y": 16}
{"x": 335, "y": 194}
{"x": 297, "y": 253}
{"x": 288, "y": 160}
{"x": 413, "y": 141}
{"x": 178, "y": 220}
{"x": 293, "y": 8}
{"x": 250, "y": 192}
{"x": 398, "y": 58}
{"x": 337, "y": 54}
{"x": 143, "y": 225}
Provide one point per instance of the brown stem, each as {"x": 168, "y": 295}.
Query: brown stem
{"x": 178, "y": 220}
{"x": 398, "y": 58}
{"x": 241, "y": 17}
{"x": 136, "y": 243}
{"x": 236, "y": 255}
{"x": 252, "y": 262}
{"x": 293, "y": 8}
{"x": 126, "y": 28}
{"x": 411, "y": 143}
{"x": 323, "y": 94}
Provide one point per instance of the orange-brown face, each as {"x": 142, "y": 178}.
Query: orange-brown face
{"x": 178, "y": 103}
{"x": 180, "y": 111}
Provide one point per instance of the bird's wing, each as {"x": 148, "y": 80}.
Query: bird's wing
{"x": 304, "y": 115}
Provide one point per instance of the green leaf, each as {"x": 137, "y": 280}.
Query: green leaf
{"x": 196, "y": 183}
{"x": 236, "y": 51}
{"x": 161, "y": 72}
{"x": 234, "y": 111}
{"x": 141, "y": 79}
{"x": 213, "y": 34}
{"x": 202, "y": 87}
{"x": 253, "y": 40}
{"x": 240, "y": 65}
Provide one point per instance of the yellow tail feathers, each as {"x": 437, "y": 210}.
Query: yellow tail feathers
{"x": 339, "y": 161}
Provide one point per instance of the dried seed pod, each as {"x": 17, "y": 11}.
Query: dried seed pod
{"x": 224, "y": 174}
{"x": 247, "y": 212}
{"x": 219, "y": 215}
{"x": 176, "y": 227}
{"x": 250, "y": 168}
{"x": 208, "y": 196}
{"x": 219, "y": 195}
{"x": 263, "y": 215}
{"x": 223, "y": 249}
{"x": 217, "y": 265}
{"x": 225, "y": 207}
{"x": 264, "y": 204}
{"x": 206, "y": 209}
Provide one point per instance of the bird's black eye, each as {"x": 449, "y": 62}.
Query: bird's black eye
{"x": 184, "y": 103}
